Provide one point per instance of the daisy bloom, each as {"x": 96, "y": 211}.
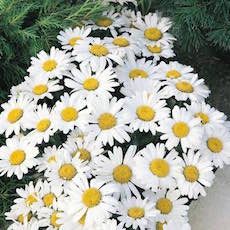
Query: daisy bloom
{"x": 13, "y": 117}
{"x": 173, "y": 70}
{"x": 182, "y": 128}
{"x": 87, "y": 83}
{"x": 117, "y": 169}
{"x": 216, "y": 146}
{"x": 17, "y": 156}
{"x": 170, "y": 204}
{"x": 122, "y": 44}
{"x": 144, "y": 111}
{"x": 193, "y": 89}
{"x": 49, "y": 158}
{"x": 109, "y": 20}
{"x": 153, "y": 28}
{"x": 107, "y": 122}
{"x": 55, "y": 64}
{"x": 209, "y": 116}
{"x": 66, "y": 170}
{"x": 93, "y": 202}
{"x": 135, "y": 213}
{"x": 70, "y": 112}
{"x": 40, "y": 87}
{"x": 139, "y": 85}
{"x": 195, "y": 174}
{"x": 135, "y": 68}
{"x": 93, "y": 51}
{"x": 71, "y": 37}
{"x": 43, "y": 124}
{"x": 157, "y": 51}
{"x": 155, "y": 169}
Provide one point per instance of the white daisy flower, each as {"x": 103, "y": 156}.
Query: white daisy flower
{"x": 157, "y": 51}
{"x": 216, "y": 145}
{"x": 109, "y": 20}
{"x": 56, "y": 64}
{"x": 139, "y": 85}
{"x": 38, "y": 87}
{"x": 195, "y": 174}
{"x": 193, "y": 89}
{"x": 135, "y": 68}
{"x": 43, "y": 124}
{"x": 182, "y": 128}
{"x": 29, "y": 197}
{"x": 13, "y": 117}
{"x": 173, "y": 70}
{"x": 17, "y": 156}
{"x": 210, "y": 117}
{"x": 86, "y": 83}
{"x": 144, "y": 111}
{"x": 49, "y": 158}
{"x": 107, "y": 122}
{"x": 135, "y": 213}
{"x": 170, "y": 204}
{"x": 122, "y": 44}
{"x": 66, "y": 170}
{"x": 121, "y": 2}
{"x": 153, "y": 28}
{"x": 71, "y": 37}
{"x": 155, "y": 169}
{"x": 93, "y": 202}
{"x": 117, "y": 170}
{"x": 93, "y": 51}
{"x": 70, "y": 112}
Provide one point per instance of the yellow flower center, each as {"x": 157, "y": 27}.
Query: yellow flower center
{"x": 67, "y": 171}
{"x": 91, "y": 197}
{"x": 159, "y": 225}
{"x": 136, "y": 212}
{"x": 159, "y": 167}
{"x": 17, "y": 157}
{"x": 121, "y": 41}
{"x": 153, "y": 34}
{"x": 43, "y": 125}
{"x": 21, "y": 217}
{"x": 14, "y": 115}
{"x": 40, "y": 89}
{"x": 173, "y": 74}
{"x": 74, "y": 40}
{"x": 180, "y": 129}
{"x": 122, "y": 174}
{"x": 204, "y": 117}
{"x": 49, "y": 65}
{"x": 191, "y": 173}
{"x": 106, "y": 121}
{"x": 104, "y": 22}
{"x": 31, "y": 199}
{"x": 164, "y": 205}
{"x": 52, "y": 159}
{"x": 154, "y": 49}
{"x": 91, "y": 84}
{"x": 69, "y": 114}
{"x": 84, "y": 154}
{"x": 48, "y": 199}
{"x": 145, "y": 113}
{"x": 138, "y": 73}
{"x": 98, "y": 50}
{"x": 82, "y": 220}
{"x": 53, "y": 219}
{"x": 184, "y": 87}
{"x": 215, "y": 145}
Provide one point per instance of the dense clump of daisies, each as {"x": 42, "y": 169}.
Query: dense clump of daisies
{"x": 118, "y": 138}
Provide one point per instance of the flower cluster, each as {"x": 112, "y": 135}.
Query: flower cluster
{"x": 119, "y": 138}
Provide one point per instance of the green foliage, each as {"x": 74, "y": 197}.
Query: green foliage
{"x": 197, "y": 24}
